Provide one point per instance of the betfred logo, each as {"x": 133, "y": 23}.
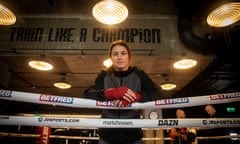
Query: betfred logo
{"x": 224, "y": 96}
{"x": 57, "y": 99}
{"x": 107, "y": 104}
{"x": 104, "y": 103}
{"x": 5, "y": 93}
{"x": 171, "y": 101}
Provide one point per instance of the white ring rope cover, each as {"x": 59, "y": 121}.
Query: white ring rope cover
{"x": 117, "y": 123}
{"x": 89, "y": 103}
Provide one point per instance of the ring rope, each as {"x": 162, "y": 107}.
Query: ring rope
{"x": 69, "y": 137}
{"x": 6, "y": 134}
{"x": 116, "y": 123}
{"x": 89, "y": 103}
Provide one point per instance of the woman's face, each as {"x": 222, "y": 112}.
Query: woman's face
{"x": 120, "y": 58}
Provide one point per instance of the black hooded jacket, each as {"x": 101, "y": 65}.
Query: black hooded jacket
{"x": 136, "y": 80}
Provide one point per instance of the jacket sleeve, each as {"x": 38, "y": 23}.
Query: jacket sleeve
{"x": 149, "y": 90}
{"x": 96, "y": 91}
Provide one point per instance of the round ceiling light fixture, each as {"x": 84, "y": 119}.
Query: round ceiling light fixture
{"x": 110, "y": 12}
{"x": 62, "y": 84}
{"x": 40, "y": 65}
{"x": 7, "y": 17}
{"x": 224, "y": 15}
{"x": 185, "y": 63}
{"x": 167, "y": 84}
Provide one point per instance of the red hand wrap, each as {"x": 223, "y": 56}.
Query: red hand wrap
{"x": 124, "y": 103}
{"x": 138, "y": 96}
{"x": 116, "y": 93}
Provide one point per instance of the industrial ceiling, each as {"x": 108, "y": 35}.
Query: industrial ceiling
{"x": 216, "y": 72}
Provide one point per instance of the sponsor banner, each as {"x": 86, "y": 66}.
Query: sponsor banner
{"x": 117, "y": 123}
{"x": 89, "y": 103}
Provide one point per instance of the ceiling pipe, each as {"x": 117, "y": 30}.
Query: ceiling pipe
{"x": 62, "y": 52}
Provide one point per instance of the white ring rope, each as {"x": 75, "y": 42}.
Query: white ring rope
{"x": 70, "y": 137}
{"x": 89, "y": 103}
{"x": 97, "y": 138}
{"x": 117, "y": 123}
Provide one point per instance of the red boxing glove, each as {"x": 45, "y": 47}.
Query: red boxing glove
{"x": 116, "y": 93}
{"x": 182, "y": 130}
{"x": 172, "y": 136}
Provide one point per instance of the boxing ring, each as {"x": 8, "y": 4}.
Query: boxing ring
{"x": 73, "y": 102}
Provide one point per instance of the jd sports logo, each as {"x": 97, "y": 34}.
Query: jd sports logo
{"x": 40, "y": 119}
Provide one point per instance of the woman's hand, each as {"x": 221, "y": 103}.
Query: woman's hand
{"x": 115, "y": 93}
{"x": 131, "y": 96}
{"x": 124, "y": 98}
{"x": 120, "y": 103}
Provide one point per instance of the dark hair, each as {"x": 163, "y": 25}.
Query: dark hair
{"x": 121, "y": 43}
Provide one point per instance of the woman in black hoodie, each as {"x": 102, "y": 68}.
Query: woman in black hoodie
{"x": 123, "y": 85}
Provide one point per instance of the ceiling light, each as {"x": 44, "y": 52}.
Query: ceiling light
{"x": 7, "y": 17}
{"x": 62, "y": 84}
{"x": 110, "y": 12}
{"x": 168, "y": 85}
{"x": 224, "y": 15}
{"x": 40, "y": 65}
{"x": 107, "y": 63}
{"x": 185, "y": 63}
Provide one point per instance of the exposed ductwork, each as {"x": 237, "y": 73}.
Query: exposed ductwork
{"x": 192, "y": 41}
{"x": 188, "y": 21}
{"x": 212, "y": 40}
{"x": 221, "y": 75}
